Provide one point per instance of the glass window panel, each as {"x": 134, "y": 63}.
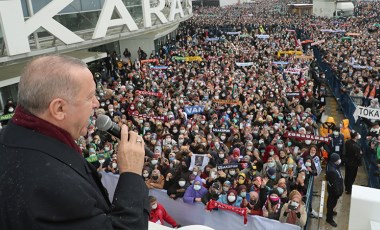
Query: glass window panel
{"x": 39, "y": 4}
{"x": 88, "y": 5}
{"x": 75, "y": 6}
{"x": 24, "y": 8}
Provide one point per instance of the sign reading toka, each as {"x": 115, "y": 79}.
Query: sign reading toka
{"x": 366, "y": 112}
{"x": 17, "y": 42}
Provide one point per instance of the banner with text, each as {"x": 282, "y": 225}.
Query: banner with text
{"x": 366, "y": 112}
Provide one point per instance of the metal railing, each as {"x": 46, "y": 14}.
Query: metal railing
{"x": 348, "y": 107}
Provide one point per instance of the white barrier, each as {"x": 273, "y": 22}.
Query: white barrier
{"x": 364, "y": 210}
{"x": 192, "y": 214}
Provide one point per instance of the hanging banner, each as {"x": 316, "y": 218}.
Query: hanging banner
{"x": 212, "y": 39}
{"x": 215, "y": 204}
{"x": 6, "y": 117}
{"x": 293, "y": 94}
{"x": 227, "y": 102}
{"x": 243, "y": 64}
{"x": 291, "y": 52}
{"x": 293, "y": 71}
{"x": 190, "y": 110}
{"x": 280, "y": 62}
{"x": 96, "y": 157}
{"x": 148, "y": 61}
{"x": 306, "y": 137}
{"x": 188, "y": 58}
{"x": 148, "y": 93}
{"x": 227, "y": 166}
{"x": 318, "y": 42}
{"x": 146, "y": 116}
{"x": 233, "y": 33}
{"x": 159, "y": 67}
{"x": 262, "y": 36}
{"x": 366, "y": 112}
{"x": 217, "y": 130}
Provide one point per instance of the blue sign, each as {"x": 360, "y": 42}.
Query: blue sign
{"x": 190, "y": 110}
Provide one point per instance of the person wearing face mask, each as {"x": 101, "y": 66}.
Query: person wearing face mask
{"x": 353, "y": 160}
{"x": 270, "y": 151}
{"x": 272, "y": 206}
{"x": 334, "y": 187}
{"x": 146, "y": 173}
{"x": 159, "y": 215}
{"x": 327, "y": 127}
{"x": 272, "y": 177}
{"x": 102, "y": 163}
{"x": 242, "y": 192}
{"x": 177, "y": 188}
{"x": 336, "y": 144}
{"x": 156, "y": 180}
{"x": 294, "y": 211}
{"x": 213, "y": 193}
{"x": 194, "y": 192}
{"x": 231, "y": 198}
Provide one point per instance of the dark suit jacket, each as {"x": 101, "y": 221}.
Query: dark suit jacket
{"x": 334, "y": 180}
{"x": 45, "y": 184}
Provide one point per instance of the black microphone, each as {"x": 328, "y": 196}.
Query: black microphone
{"x": 104, "y": 123}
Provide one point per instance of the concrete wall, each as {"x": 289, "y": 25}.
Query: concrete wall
{"x": 324, "y": 8}
{"x": 228, "y": 2}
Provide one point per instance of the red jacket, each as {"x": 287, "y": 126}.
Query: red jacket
{"x": 159, "y": 215}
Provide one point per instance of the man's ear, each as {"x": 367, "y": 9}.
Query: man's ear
{"x": 57, "y": 109}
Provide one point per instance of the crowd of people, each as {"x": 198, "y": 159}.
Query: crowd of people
{"x": 229, "y": 119}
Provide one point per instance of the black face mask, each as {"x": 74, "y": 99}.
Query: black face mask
{"x": 154, "y": 177}
{"x": 252, "y": 202}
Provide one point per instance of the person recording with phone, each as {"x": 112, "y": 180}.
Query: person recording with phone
{"x": 54, "y": 187}
{"x": 294, "y": 212}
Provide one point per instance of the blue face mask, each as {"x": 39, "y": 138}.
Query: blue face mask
{"x": 243, "y": 194}
{"x": 280, "y": 190}
{"x": 171, "y": 158}
{"x": 273, "y": 177}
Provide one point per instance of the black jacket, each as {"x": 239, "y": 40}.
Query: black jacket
{"x": 45, "y": 184}
{"x": 353, "y": 155}
{"x": 334, "y": 180}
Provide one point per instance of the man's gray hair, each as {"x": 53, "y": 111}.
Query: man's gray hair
{"x": 46, "y": 78}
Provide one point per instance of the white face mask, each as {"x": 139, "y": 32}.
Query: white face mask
{"x": 222, "y": 138}
{"x": 181, "y": 183}
{"x": 232, "y": 173}
{"x": 106, "y": 149}
{"x": 308, "y": 142}
{"x": 336, "y": 133}
{"x": 308, "y": 164}
{"x": 197, "y": 187}
{"x": 114, "y": 165}
{"x": 221, "y": 155}
{"x": 271, "y": 153}
{"x": 102, "y": 161}
{"x": 271, "y": 164}
{"x": 154, "y": 162}
{"x": 280, "y": 146}
{"x": 145, "y": 175}
{"x": 294, "y": 204}
{"x": 195, "y": 173}
{"x": 231, "y": 198}
{"x": 154, "y": 206}
{"x": 338, "y": 162}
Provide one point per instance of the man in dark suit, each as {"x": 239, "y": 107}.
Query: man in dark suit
{"x": 334, "y": 186}
{"x": 45, "y": 183}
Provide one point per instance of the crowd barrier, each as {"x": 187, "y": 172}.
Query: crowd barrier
{"x": 348, "y": 107}
{"x": 190, "y": 214}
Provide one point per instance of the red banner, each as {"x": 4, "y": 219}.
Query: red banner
{"x": 306, "y": 137}
{"x": 148, "y": 93}
{"x": 148, "y": 60}
{"x": 136, "y": 114}
{"x": 240, "y": 211}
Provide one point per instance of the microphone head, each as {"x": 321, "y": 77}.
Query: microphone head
{"x": 103, "y": 122}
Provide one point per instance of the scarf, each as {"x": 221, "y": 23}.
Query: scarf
{"x": 27, "y": 120}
